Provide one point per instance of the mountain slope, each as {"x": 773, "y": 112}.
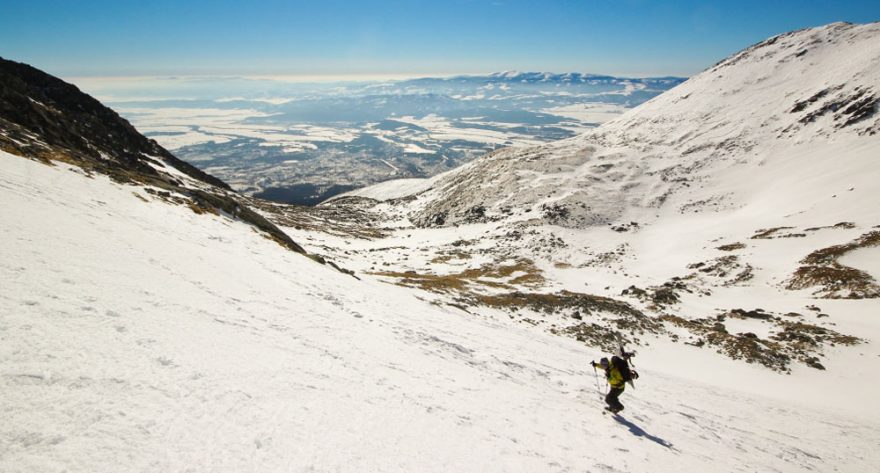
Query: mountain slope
{"x": 45, "y": 118}
{"x": 728, "y": 214}
{"x": 147, "y": 337}
{"x": 813, "y": 93}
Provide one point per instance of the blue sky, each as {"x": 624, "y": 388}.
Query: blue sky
{"x": 415, "y": 37}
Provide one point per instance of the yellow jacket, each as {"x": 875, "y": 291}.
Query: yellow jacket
{"x": 615, "y": 379}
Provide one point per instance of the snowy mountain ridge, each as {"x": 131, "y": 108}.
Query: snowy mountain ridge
{"x": 802, "y": 90}
{"x": 570, "y": 77}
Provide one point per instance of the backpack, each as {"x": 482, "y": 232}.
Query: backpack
{"x": 623, "y": 367}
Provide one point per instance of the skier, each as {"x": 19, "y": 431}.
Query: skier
{"x": 617, "y": 373}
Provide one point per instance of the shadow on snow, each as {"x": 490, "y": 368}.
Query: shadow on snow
{"x": 639, "y": 432}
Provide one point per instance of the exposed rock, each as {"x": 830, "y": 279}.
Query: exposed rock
{"x": 47, "y": 119}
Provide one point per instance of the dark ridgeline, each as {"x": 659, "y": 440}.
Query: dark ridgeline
{"x": 36, "y": 107}
{"x": 44, "y": 118}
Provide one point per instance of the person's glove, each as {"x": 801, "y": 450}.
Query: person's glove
{"x": 635, "y": 374}
{"x": 593, "y": 364}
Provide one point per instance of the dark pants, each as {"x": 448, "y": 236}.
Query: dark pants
{"x": 612, "y": 399}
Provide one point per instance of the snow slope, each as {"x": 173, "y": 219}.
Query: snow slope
{"x": 141, "y": 336}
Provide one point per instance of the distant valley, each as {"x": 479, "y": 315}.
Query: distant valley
{"x": 305, "y": 142}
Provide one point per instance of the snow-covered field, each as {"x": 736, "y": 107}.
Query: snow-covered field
{"x": 442, "y": 129}
{"x": 142, "y": 336}
{"x": 178, "y": 127}
{"x": 589, "y": 112}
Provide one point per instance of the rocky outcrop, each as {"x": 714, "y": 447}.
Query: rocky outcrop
{"x": 44, "y": 118}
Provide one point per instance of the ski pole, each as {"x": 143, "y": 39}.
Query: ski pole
{"x": 596, "y": 373}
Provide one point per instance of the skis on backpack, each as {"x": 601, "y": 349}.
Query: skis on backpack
{"x": 624, "y": 362}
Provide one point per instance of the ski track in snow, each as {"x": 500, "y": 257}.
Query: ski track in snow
{"x": 144, "y": 337}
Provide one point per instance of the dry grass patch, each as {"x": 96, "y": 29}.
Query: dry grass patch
{"x": 521, "y": 272}
{"x": 594, "y": 335}
{"x": 447, "y": 256}
{"x": 748, "y": 346}
{"x": 836, "y": 281}
{"x": 577, "y": 305}
{"x": 844, "y": 225}
{"x": 201, "y": 209}
{"x": 767, "y": 233}
{"x": 792, "y": 341}
{"x": 771, "y": 233}
{"x": 344, "y": 217}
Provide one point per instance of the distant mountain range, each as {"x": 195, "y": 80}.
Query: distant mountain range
{"x": 570, "y": 77}
{"x": 307, "y": 143}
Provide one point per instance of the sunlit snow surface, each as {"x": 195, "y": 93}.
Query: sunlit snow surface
{"x": 143, "y": 337}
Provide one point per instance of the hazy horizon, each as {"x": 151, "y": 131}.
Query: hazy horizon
{"x": 342, "y": 38}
